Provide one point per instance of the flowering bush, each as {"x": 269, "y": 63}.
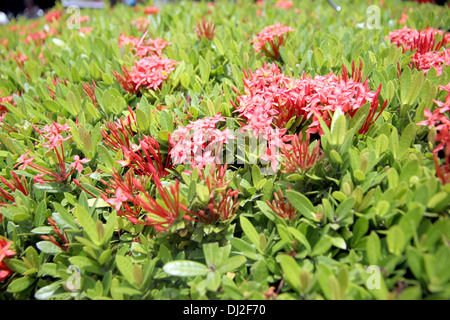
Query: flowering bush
{"x": 192, "y": 151}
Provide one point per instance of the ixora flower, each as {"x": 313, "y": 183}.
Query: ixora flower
{"x": 270, "y": 39}
{"x": 428, "y": 60}
{"x": 270, "y": 97}
{"x": 8, "y": 99}
{"x": 144, "y": 46}
{"x": 150, "y": 72}
{"x": 281, "y": 207}
{"x": 53, "y": 16}
{"x": 53, "y": 142}
{"x": 428, "y": 51}
{"x": 406, "y": 38}
{"x": 5, "y": 253}
{"x": 151, "y": 10}
{"x": 131, "y": 200}
{"x": 440, "y": 120}
{"x": 140, "y": 23}
{"x": 9, "y": 187}
{"x": 205, "y": 29}
{"x": 125, "y": 80}
{"x": 200, "y": 142}
{"x": 286, "y": 5}
{"x": 301, "y": 155}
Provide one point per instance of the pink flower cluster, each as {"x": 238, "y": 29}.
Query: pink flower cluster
{"x": 440, "y": 120}
{"x": 141, "y": 23}
{"x": 150, "y": 72}
{"x": 53, "y": 140}
{"x": 200, "y": 142}
{"x": 270, "y": 39}
{"x": 150, "y": 69}
{"x": 286, "y": 5}
{"x": 7, "y": 99}
{"x": 427, "y": 49}
{"x": 151, "y": 10}
{"x": 5, "y": 252}
{"x": 144, "y": 46}
{"x": 272, "y": 97}
{"x": 272, "y": 100}
{"x": 406, "y": 38}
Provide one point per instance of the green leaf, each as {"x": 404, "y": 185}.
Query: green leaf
{"x": 373, "y": 248}
{"x": 185, "y": 268}
{"x": 87, "y": 223}
{"x": 212, "y": 253}
{"x": 142, "y": 120}
{"x": 205, "y": 70}
{"x": 395, "y": 240}
{"x": 407, "y": 137}
{"x": 126, "y": 268}
{"x": 47, "y": 292}
{"x": 20, "y": 284}
{"x": 87, "y": 264}
{"x": 17, "y": 265}
{"x": 231, "y": 264}
{"x": 106, "y": 157}
{"x": 166, "y": 121}
{"x": 63, "y": 217}
{"x": 322, "y": 246}
{"x": 338, "y": 128}
{"x": 53, "y": 187}
{"x": 319, "y": 57}
{"x": 360, "y": 228}
{"x": 48, "y": 247}
{"x": 439, "y": 201}
{"x": 213, "y": 280}
{"x": 300, "y": 238}
{"x": 250, "y": 232}
{"x": 256, "y": 175}
{"x": 414, "y": 89}
{"x": 40, "y": 215}
{"x": 74, "y": 103}
{"x": 381, "y": 144}
{"x": 291, "y": 271}
{"x": 302, "y": 204}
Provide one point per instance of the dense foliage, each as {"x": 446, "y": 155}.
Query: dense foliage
{"x": 335, "y": 126}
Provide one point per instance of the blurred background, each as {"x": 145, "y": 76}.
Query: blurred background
{"x": 36, "y": 8}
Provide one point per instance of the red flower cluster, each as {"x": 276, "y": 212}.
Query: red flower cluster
{"x": 7, "y": 99}
{"x": 53, "y": 16}
{"x": 440, "y": 120}
{"x": 205, "y": 29}
{"x": 10, "y": 186}
{"x": 141, "y": 23}
{"x": 300, "y": 157}
{"x": 130, "y": 198}
{"x": 223, "y": 202}
{"x": 281, "y": 207}
{"x": 62, "y": 235}
{"x": 144, "y": 46}
{"x": 272, "y": 97}
{"x": 5, "y": 252}
{"x": 427, "y": 49}
{"x": 151, "y": 10}
{"x": 150, "y": 72}
{"x": 286, "y": 5}
{"x": 39, "y": 37}
{"x": 199, "y": 143}
{"x": 151, "y": 68}
{"x": 53, "y": 140}
{"x": 270, "y": 39}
